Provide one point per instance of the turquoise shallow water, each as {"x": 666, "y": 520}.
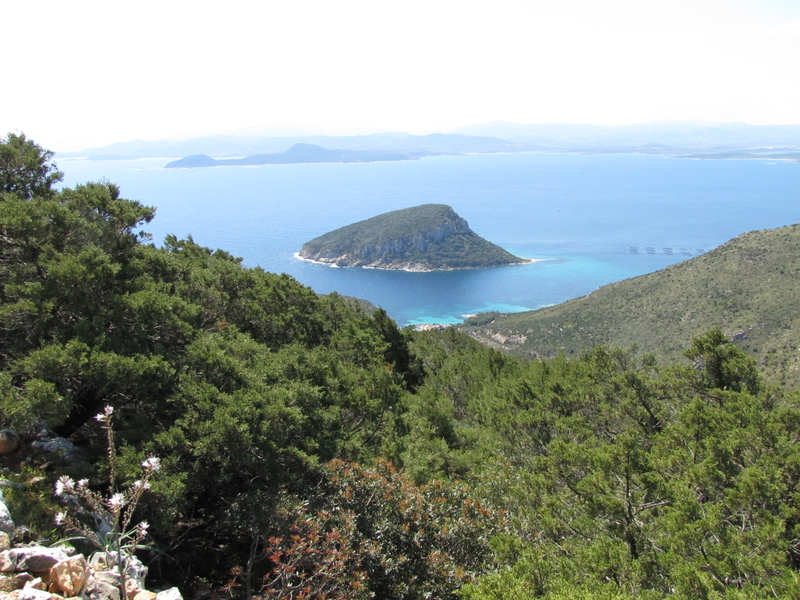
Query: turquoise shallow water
{"x": 587, "y": 214}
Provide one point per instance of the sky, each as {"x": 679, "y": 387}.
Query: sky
{"x": 81, "y": 73}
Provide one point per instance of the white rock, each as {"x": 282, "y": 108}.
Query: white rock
{"x": 170, "y": 594}
{"x": 6, "y": 522}
{"x": 136, "y": 573}
{"x": 33, "y": 594}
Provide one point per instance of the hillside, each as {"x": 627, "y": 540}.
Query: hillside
{"x": 748, "y": 287}
{"x": 430, "y": 237}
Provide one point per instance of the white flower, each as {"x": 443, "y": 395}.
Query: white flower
{"x": 105, "y": 415}
{"x": 117, "y": 500}
{"x": 144, "y": 485}
{"x": 64, "y": 485}
{"x": 82, "y": 483}
{"x": 143, "y": 526}
{"x": 60, "y": 518}
{"x": 153, "y": 463}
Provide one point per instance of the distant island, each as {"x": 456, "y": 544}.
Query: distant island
{"x": 299, "y": 153}
{"x": 430, "y": 237}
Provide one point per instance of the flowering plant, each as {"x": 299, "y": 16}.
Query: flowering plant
{"x": 109, "y": 518}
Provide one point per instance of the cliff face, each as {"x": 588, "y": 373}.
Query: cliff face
{"x": 425, "y": 238}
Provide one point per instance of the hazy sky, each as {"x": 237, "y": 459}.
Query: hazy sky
{"x": 87, "y": 73}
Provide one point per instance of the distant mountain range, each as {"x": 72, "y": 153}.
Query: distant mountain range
{"x": 748, "y": 287}
{"x": 701, "y": 140}
{"x": 678, "y": 136}
{"x": 226, "y": 146}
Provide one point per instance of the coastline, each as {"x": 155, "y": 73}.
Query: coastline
{"x": 525, "y": 261}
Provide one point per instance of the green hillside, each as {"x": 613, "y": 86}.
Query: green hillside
{"x": 749, "y": 287}
{"x": 429, "y": 237}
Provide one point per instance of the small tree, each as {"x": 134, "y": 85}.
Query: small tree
{"x": 26, "y": 169}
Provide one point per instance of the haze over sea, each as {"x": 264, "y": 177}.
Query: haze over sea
{"x": 586, "y": 214}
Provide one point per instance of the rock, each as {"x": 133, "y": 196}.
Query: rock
{"x": 109, "y": 577}
{"x": 6, "y": 522}
{"x": 33, "y": 594}
{"x": 9, "y": 441}
{"x": 142, "y": 595}
{"x": 5, "y": 541}
{"x": 101, "y": 561}
{"x": 36, "y": 584}
{"x": 101, "y": 590}
{"x": 32, "y": 558}
{"x": 69, "y": 576}
{"x": 135, "y": 573}
{"x": 170, "y": 594}
{"x": 7, "y": 563}
{"x": 61, "y": 446}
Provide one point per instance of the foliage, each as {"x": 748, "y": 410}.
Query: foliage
{"x": 385, "y": 535}
{"x": 26, "y": 169}
{"x": 317, "y": 561}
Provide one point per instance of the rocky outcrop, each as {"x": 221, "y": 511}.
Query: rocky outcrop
{"x": 36, "y": 572}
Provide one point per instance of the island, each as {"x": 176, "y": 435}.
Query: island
{"x": 430, "y": 237}
{"x": 299, "y": 153}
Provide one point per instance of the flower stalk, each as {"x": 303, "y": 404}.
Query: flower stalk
{"x": 112, "y": 532}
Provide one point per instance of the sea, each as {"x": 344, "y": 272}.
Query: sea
{"x": 594, "y": 218}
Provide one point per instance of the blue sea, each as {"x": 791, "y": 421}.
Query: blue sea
{"x": 596, "y": 219}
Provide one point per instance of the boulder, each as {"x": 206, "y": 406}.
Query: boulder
{"x": 110, "y": 577}
{"x": 69, "y": 576}
{"x": 61, "y": 447}
{"x": 100, "y": 590}
{"x": 7, "y": 563}
{"x": 6, "y": 522}
{"x": 142, "y": 595}
{"x": 33, "y": 594}
{"x": 36, "y": 584}
{"x": 9, "y": 441}
{"x": 31, "y": 558}
{"x": 170, "y": 594}
{"x": 5, "y": 541}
